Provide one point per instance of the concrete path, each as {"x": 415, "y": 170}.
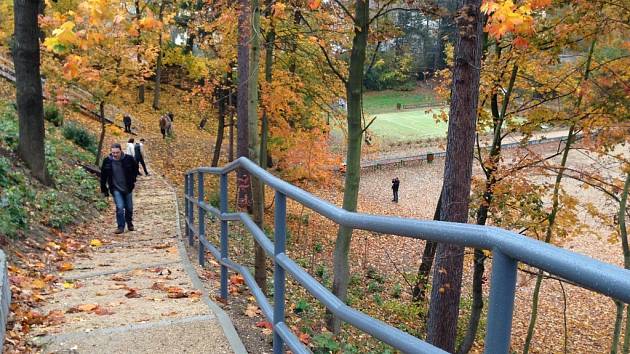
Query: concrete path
{"x": 138, "y": 293}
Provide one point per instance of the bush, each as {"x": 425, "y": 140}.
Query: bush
{"x": 80, "y": 136}
{"x": 13, "y": 213}
{"x": 53, "y": 114}
{"x": 9, "y": 128}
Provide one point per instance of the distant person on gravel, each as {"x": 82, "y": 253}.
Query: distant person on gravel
{"x": 139, "y": 156}
{"x": 118, "y": 176}
{"x": 166, "y": 124}
{"x": 395, "y": 185}
{"x": 127, "y": 123}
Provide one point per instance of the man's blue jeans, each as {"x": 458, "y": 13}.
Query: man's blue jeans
{"x": 124, "y": 208}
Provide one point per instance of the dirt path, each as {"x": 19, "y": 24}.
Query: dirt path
{"x": 137, "y": 293}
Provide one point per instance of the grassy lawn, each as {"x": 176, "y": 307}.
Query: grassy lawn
{"x": 407, "y": 126}
{"x": 385, "y": 101}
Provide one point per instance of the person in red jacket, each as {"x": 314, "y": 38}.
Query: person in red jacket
{"x": 118, "y": 176}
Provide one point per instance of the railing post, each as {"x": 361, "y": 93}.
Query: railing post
{"x": 191, "y": 208}
{"x": 278, "y": 272}
{"x": 202, "y": 220}
{"x": 186, "y": 176}
{"x": 501, "y": 307}
{"x": 224, "y": 235}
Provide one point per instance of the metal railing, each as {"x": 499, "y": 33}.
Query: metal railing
{"x": 5, "y": 297}
{"x": 508, "y": 248}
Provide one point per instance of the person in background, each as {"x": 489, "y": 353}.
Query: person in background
{"x": 395, "y": 185}
{"x": 127, "y": 123}
{"x": 118, "y": 176}
{"x": 139, "y": 156}
{"x": 166, "y": 125}
{"x": 130, "y": 148}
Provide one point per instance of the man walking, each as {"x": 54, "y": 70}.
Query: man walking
{"x": 139, "y": 156}
{"x": 118, "y": 176}
{"x": 127, "y": 123}
{"x": 395, "y": 185}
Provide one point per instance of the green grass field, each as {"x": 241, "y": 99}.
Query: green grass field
{"x": 407, "y": 126}
{"x": 385, "y": 101}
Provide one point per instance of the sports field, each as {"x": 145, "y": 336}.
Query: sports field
{"x": 409, "y": 125}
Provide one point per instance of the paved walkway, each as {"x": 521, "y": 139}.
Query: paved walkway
{"x": 138, "y": 293}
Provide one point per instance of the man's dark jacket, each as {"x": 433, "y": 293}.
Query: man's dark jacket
{"x": 130, "y": 167}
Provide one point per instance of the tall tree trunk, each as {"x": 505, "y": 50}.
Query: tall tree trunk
{"x": 28, "y": 86}
{"x": 101, "y": 139}
{"x": 428, "y": 255}
{"x": 482, "y": 216}
{"x": 447, "y": 273}
{"x": 242, "y": 144}
{"x": 354, "y": 90}
{"x": 158, "y": 66}
{"x": 220, "y": 129}
{"x": 297, "y": 17}
{"x": 138, "y": 55}
{"x": 260, "y": 271}
{"x": 269, "y": 43}
{"x": 556, "y": 203}
{"x": 623, "y": 234}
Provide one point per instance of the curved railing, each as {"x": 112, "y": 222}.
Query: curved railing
{"x": 507, "y": 248}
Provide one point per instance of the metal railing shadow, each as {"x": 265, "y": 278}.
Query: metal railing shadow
{"x": 508, "y": 248}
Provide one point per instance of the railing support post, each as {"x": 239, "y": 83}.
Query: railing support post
{"x": 279, "y": 273}
{"x": 186, "y": 178}
{"x": 224, "y": 235}
{"x": 501, "y": 307}
{"x": 202, "y": 220}
{"x": 191, "y": 208}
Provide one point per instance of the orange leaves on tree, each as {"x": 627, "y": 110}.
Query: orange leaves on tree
{"x": 507, "y": 17}
{"x": 314, "y": 4}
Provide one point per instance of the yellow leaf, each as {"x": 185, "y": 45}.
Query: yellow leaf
{"x": 96, "y": 243}
{"x": 38, "y": 284}
{"x": 68, "y": 285}
{"x": 314, "y": 4}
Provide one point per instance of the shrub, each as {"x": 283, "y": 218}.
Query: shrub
{"x": 325, "y": 343}
{"x": 53, "y": 114}
{"x": 9, "y": 128}
{"x": 80, "y": 136}
{"x": 13, "y": 214}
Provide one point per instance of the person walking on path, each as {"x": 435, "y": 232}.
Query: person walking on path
{"x": 139, "y": 156}
{"x": 166, "y": 124}
{"x": 127, "y": 123}
{"x": 395, "y": 185}
{"x": 118, "y": 176}
{"x": 130, "y": 150}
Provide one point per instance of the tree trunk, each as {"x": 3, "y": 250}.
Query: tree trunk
{"x": 242, "y": 144}
{"x": 428, "y": 255}
{"x": 101, "y": 139}
{"x": 447, "y": 273}
{"x": 28, "y": 84}
{"x": 220, "y": 129}
{"x": 623, "y": 233}
{"x": 482, "y": 216}
{"x": 138, "y": 55}
{"x": 354, "y": 90}
{"x": 260, "y": 271}
{"x": 158, "y": 66}
{"x": 556, "y": 204}
{"x": 269, "y": 43}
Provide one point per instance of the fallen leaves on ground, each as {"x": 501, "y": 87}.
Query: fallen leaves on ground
{"x": 132, "y": 293}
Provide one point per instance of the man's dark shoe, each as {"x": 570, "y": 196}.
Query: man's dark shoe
{"x": 130, "y": 228}
{"x": 119, "y": 231}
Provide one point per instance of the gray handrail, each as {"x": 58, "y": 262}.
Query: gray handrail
{"x": 5, "y": 297}
{"x": 508, "y": 248}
